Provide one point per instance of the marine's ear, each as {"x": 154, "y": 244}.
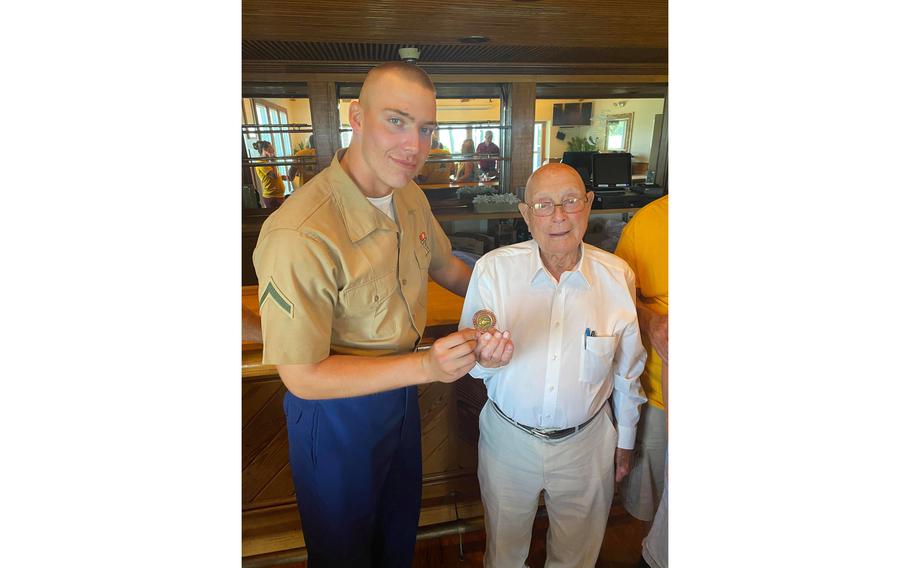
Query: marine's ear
{"x": 355, "y": 116}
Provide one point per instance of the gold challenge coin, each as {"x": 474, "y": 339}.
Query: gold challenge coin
{"x": 484, "y": 320}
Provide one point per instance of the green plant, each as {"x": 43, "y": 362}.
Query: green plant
{"x": 579, "y": 144}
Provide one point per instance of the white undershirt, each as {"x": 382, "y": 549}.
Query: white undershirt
{"x": 384, "y": 204}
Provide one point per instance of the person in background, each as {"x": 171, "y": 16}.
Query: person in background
{"x": 488, "y": 147}
{"x": 305, "y": 170}
{"x": 342, "y": 271}
{"x": 644, "y": 245}
{"x": 567, "y": 364}
{"x": 437, "y": 172}
{"x": 467, "y": 171}
{"x": 272, "y": 182}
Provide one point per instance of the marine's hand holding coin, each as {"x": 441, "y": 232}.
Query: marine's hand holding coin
{"x": 451, "y": 356}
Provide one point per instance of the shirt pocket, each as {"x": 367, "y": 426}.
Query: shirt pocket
{"x": 366, "y": 299}
{"x": 597, "y": 358}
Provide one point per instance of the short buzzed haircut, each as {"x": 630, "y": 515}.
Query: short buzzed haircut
{"x": 409, "y": 70}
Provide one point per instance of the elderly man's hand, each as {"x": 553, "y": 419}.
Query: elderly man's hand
{"x": 623, "y": 463}
{"x": 494, "y": 349}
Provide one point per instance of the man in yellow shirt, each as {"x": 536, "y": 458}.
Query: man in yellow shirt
{"x": 644, "y": 246}
{"x": 305, "y": 168}
{"x": 437, "y": 172}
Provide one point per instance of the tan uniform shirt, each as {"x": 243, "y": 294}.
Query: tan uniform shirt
{"x": 337, "y": 276}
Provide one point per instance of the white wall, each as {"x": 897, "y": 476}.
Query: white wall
{"x": 643, "y": 111}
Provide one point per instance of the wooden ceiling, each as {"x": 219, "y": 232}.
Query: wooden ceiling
{"x": 545, "y": 36}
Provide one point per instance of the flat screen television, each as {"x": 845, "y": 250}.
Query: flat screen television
{"x": 581, "y": 161}
{"x": 612, "y": 170}
{"x": 572, "y": 114}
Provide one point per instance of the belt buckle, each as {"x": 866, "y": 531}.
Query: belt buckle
{"x": 542, "y": 434}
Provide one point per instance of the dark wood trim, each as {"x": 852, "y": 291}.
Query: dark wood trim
{"x": 520, "y": 137}
{"x": 271, "y": 68}
{"x": 324, "y": 113}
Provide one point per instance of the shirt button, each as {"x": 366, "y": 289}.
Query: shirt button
{"x": 555, "y": 356}
{"x": 556, "y": 324}
{"x": 404, "y": 282}
{"x": 551, "y": 389}
{"x": 375, "y": 298}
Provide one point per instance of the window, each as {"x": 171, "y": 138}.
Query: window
{"x": 539, "y": 129}
{"x": 619, "y": 133}
{"x": 272, "y": 114}
{"x": 452, "y": 136}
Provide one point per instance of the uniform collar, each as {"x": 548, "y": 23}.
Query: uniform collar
{"x": 579, "y": 276}
{"x": 360, "y": 216}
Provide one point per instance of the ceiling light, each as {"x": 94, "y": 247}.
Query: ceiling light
{"x": 409, "y": 54}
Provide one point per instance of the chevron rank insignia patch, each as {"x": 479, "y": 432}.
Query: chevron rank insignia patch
{"x": 273, "y": 293}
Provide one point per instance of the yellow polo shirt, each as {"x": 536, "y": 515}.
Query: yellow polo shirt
{"x": 437, "y": 172}
{"x": 307, "y": 169}
{"x": 644, "y": 246}
{"x": 338, "y": 276}
{"x": 271, "y": 186}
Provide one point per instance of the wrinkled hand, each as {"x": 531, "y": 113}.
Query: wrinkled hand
{"x": 494, "y": 349}
{"x": 451, "y": 356}
{"x": 659, "y": 333}
{"x": 623, "y": 463}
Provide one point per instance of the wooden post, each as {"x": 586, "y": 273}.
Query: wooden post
{"x": 324, "y": 111}
{"x": 519, "y": 139}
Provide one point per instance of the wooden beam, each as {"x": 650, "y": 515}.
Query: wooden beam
{"x": 520, "y": 138}
{"x": 324, "y": 112}
{"x": 296, "y": 71}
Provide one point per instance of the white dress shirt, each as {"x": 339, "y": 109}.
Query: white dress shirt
{"x": 559, "y": 378}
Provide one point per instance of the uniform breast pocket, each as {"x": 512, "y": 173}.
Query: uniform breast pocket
{"x": 597, "y": 358}
{"x": 365, "y": 300}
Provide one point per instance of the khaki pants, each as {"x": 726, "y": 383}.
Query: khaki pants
{"x": 575, "y": 474}
{"x": 654, "y": 549}
{"x": 640, "y": 491}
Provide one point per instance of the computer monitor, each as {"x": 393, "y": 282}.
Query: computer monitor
{"x": 581, "y": 161}
{"x": 612, "y": 170}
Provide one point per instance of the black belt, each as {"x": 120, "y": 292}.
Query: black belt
{"x": 542, "y": 433}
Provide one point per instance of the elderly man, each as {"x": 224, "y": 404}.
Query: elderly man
{"x": 548, "y": 424}
{"x": 488, "y": 147}
{"x": 342, "y": 273}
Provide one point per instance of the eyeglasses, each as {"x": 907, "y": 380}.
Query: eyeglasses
{"x": 547, "y": 208}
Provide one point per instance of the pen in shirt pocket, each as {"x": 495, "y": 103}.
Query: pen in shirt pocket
{"x": 589, "y": 333}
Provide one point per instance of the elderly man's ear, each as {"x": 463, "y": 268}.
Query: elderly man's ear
{"x": 525, "y": 211}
